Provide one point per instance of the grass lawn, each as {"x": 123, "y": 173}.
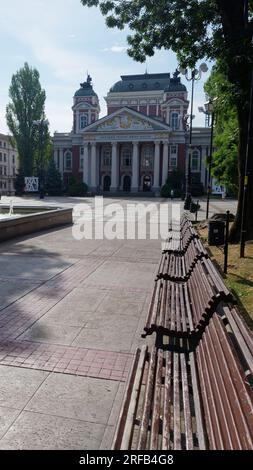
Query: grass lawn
{"x": 239, "y": 278}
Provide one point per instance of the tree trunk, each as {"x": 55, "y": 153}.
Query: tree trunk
{"x": 237, "y": 56}
{"x": 234, "y": 235}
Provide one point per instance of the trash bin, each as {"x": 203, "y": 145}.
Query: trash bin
{"x": 216, "y": 232}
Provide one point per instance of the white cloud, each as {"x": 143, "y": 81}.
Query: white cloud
{"x": 117, "y": 49}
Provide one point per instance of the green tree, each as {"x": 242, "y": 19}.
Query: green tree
{"x": 27, "y": 101}
{"x": 19, "y": 183}
{"x": 53, "y": 180}
{"x": 43, "y": 149}
{"x": 176, "y": 182}
{"x": 215, "y": 29}
{"x": 226, "y": 135}
{"x": 76, "y": 187}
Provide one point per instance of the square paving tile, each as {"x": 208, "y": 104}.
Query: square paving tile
{"x": 10, "y": 290}
{"x": 75, "y": 397}
{"x": 44, "y": 331}
{"x": 73, "y": 309}
{"x": 123, "y": 274}
{"x": 101, "y": 333}
{"x": 32, "y": 267}
{"x": 17, "y": 385}
{"x": 123, "y": 303}
{"x": 34, "y": 431}
{"x": 7, "y": 416}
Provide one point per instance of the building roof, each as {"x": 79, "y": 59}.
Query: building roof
{"x": 86, "y": 88}
{"x": 147, "y": 82}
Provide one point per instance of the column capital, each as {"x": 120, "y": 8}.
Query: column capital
{"x": 114, "y": 144}
{"x": 135, "y": 142}
{"x": 165, "y": 142}
{"x": 93, "y": 143}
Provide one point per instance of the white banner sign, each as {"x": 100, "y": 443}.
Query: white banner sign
{"x": 31, "y": 184}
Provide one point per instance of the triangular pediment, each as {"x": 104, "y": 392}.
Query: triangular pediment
{"x": 125, "y": 119}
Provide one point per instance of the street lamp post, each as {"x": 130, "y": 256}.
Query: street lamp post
{"x": 42, "y": 124}
{"x": 191, "y": 76}
{"x": 209, "y": 111}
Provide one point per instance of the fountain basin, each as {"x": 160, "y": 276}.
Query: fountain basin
{"x": 30, "y": 219}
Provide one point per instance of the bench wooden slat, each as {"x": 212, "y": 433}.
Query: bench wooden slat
{"x": 147, "y": 401}
{"x": 167, "y": 402}
{"x": 186, "y": 404}
{"x": 155, "y": 424}
{"x": 124, "y": 429}
{"x": 176, "y": 404}
{"x": 242, "y": 335}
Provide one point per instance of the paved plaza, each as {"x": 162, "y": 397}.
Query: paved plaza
{"x": 71, "y": 317}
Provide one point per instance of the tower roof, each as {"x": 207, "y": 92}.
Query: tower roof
{"x": 86, "y": 88}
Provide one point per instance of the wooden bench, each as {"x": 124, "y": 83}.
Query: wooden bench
{"x": 227, "y": 398}
{"x": 194, "y": 388}
{"x": 178, "y": 242}
{"x": 178, "y": 267}
{"x": 183, "y": 308}
{"x": 241, "y": 337}
{"x": 161, "y": 407}
{"x": 188, "y": 396}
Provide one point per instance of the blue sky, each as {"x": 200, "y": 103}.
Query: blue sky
{"x": 63, "y": 40}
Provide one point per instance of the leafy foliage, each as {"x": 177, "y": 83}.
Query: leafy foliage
{"x": 27, "y": 100}
{"x": 53, "y": 180}
{"x": 76, "y": 188}
{"x": 225, "y": 158}
{"x": 176, "y": 182}
{"x": 19, "y": 183}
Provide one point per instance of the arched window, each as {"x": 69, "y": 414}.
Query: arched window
{"x": 174, "y": 121}
{"x": 83, "y": 121}
{"x": 127, "y": 157}
{"x": 195, "y": 160}
{"x": 107, "y": 156}
{"x": 68, "y": 160}
{"x": 147, "y": 157}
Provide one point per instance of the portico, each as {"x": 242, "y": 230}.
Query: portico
{"x": 135, "y": 150}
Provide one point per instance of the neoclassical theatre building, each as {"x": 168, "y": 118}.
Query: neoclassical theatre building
{"x": 139, "y": 143}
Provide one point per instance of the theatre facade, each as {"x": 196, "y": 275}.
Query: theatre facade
{"x": 136, "y": 147}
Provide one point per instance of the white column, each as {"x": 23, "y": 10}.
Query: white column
{"x": 93, "y": 166}
{"x": 85, "y": 163}
{"x": 135, "y": 168}
{"x": 165, "y": 162}
{"x": 156, "y": 166}
{"x": 61, "y": 163}
{"x": 114, "y": 173}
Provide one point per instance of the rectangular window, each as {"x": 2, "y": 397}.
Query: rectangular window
{"x": 13, "y": 159}
{"x": 5, "y": 157}
{"x": 173, "y": 157}
{"x": 107, "y": 157}
{"x": 195, "y": 161}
